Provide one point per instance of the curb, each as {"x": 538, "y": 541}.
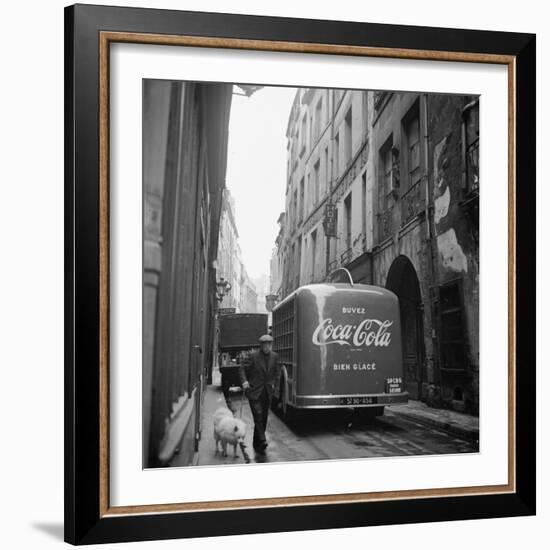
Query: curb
{"x": 470, "y": 434}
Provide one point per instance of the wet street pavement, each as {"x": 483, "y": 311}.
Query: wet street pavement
{"x": 331, "y": 434}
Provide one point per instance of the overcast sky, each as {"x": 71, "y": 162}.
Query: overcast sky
{"x": 256, "y": 170}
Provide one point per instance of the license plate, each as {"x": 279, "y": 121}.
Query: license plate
{"x": 350, "y": 401}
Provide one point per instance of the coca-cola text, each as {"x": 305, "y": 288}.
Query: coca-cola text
{"x": 369, "y": 332}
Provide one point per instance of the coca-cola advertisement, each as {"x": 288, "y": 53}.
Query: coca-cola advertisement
{"x": 354, "y": 342}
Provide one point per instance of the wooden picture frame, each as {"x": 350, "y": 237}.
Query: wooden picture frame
{"x": 89, "y": 32}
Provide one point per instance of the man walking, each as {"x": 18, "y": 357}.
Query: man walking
{"x": 259, "y": 375}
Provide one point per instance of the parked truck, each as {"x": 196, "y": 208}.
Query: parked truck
{"x": 239, "y": 334}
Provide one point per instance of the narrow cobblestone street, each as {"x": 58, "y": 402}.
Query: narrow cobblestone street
{"x": 412, "y": 429}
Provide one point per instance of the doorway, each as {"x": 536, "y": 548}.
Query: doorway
{"x": 403, "y": 281}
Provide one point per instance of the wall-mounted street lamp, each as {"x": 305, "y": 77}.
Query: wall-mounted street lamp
{"x": 271, "y": 301}
{"x": 246, "y": 89}
{"x": 223, "y": 288}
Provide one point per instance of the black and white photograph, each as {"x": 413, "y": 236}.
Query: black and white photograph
{"x": 253, "y": 296}
{"x": 310, "y": 273}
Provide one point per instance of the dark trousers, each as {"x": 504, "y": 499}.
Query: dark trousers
{"x": 259, "y": 408}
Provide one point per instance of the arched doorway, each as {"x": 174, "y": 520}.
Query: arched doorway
{"x": 402, "y": 280}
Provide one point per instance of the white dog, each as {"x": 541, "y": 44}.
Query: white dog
{"x": 228, "y": 430}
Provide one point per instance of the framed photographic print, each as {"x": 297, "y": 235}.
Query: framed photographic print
{"x": 299, "y": 274}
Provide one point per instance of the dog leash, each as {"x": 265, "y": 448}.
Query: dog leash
{"x": 242, "y": 445}
{"x": 242, "y": 401}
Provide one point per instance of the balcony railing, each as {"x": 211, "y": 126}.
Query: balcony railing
{"x": 332, "y": 266}
{"x": 411, "y": 203}
{"x": 379, "y": 98}
{"x": 345, "y": 257}
{"x": 385, "y": 225}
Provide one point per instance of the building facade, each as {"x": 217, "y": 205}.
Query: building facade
{"x": 276, "y": 261}
{"x": 386, "y": 185}
{"x": 185, "y": 131}
{"x": 249, "y": 295}
{"x": 242, "y": 297}
{"x": 261, "y": 283}
{"x": 327, "y": 154}
{"x": 228, "y": 261}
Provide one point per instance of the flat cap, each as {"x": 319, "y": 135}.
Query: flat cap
{"x": 266, "y": 338}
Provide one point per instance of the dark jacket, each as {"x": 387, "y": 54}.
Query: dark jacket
{"x": 261, "y": 371}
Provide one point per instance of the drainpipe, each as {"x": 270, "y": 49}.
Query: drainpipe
{"x": 428, "y": 183}
{"x": 431, "y": 235}
{"x": 327, "y": 256}
{"x": 369, "y": 128}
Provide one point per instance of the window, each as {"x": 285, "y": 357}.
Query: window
{"x": 289, "y": 210}
{"x": 301, "y": 215}
{"x": 313, "y": 254}
{"x": 364, "y": 204}
{"x": 347, "y": 138}
{"x": 295, "y": 207}
{"x": 303, "y": 135}
{"x": 470, "y": 146}
{"x": 317, "y": 120}
{"x": 452, "y": 336}
{"x": 298, "y": 261}
{"x": 387, "y": 170}
{"x": 347, "y": 221}
{"x": 308, "y": 196}
{"x": 336, "y": 156}
{"x": 386, "y": 174}
{"x": 315, "y": 194}
{"x": 412, "y": 135}
{"x": 288, "y": 166}
{"x": 293, "y": 262}
{"x": 412, "y": 203}
{"x": 326, "y": 176}
{"x": 379, "y": 98}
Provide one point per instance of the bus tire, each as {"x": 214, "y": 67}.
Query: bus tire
{"x": 275, "y": 403}
{"x": 278, "y": 396}
{"x": 288, "y": 412}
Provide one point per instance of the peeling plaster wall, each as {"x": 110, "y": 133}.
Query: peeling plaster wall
{"x": 442, "y": 252}
{"x": 456, "y": 242}
{"x": 440, "y": 241}
{"x": 441, "y": 205}
{"x": 452, "y": 256}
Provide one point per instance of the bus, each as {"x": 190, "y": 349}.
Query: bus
{"x": 339, "y": 346}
